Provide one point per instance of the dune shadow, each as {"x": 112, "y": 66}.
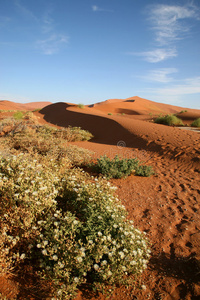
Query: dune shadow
{"x": 127, "y": 111}
{"x": 104, "y": 130}
{"x": 129, "y": 101}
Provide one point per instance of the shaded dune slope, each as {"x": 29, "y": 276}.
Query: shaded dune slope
{"x": 134, "y": 133}
{"x": 105, "y": 130}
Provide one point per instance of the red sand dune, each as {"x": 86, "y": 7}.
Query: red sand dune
{"x": 9, "y": 105}
{"x": 137, "y": 106}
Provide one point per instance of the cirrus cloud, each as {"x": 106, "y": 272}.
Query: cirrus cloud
{"x": 156, "y": 55}
{"x": 167, "y": 21}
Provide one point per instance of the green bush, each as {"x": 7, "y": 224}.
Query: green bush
{"x": 144, "y": 171}
{"x": 80, "y": 105}
{"x": 169, "y": 120}
{"x": 18, "y": 115}
{"x": 68, "y": 226}
{"x": 196, "y": 123}
{"x": 118, "y": 168}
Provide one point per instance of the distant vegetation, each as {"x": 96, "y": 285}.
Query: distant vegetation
{"x": 118, "y": 168}
{"x": 170, "y": 120}
{"x": 80, "y": 105}
{"x": 36, "y": 109}
{"x": 196, "y": 123}
{"x": 182, "y": 111}
{"x": 18, "y": 115}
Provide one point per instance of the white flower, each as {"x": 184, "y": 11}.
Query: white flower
{"x": 133, "y": 263}
{"x": 90, "y": 241}
{"x": 22, "y": 256}
{"x": 82, "y": 253}
{"x": 76, "y": 279}
{"x": 121, "y": 254}
{"x": 123, "y": 268}
{"x": 45, "y": 243}
{"x": 104, "y": 263}
{"x": 99, "y": 233}
{"x": 96, "y": 267}
{"x": 55, "y": 257}
{"x": 79, "y": 259}
{"x": 59, "y": 292}
{"x": 134, "y": 253}
{"x": 109, "y": 273}
{"x": 61, "y": 265}
{"x": 143, "y": 287}
{"x": 75, "y": 222}
{"x": 44, "y": 252}
{"x": 38, "y": 245}
{"x": 109, "y": 238}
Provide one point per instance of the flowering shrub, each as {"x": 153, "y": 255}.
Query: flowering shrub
{"x": 71, "y": 227}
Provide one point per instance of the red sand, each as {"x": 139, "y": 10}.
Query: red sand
{"x": 9, "y": 105}
{"x": 165, "y": 205}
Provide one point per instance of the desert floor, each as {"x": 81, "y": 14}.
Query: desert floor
{"x": 166, "y": 205}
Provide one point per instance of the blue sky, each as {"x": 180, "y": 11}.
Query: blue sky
{"x": 86, "y": 51}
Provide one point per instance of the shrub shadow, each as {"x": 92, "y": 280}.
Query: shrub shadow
{"x": 181, "y": 268}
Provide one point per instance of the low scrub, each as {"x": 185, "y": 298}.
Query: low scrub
{"x": 69, "y": 227}
{"x": 18, "y": 115}
{"x": 196, "y": 123}
{"x": 29, "y": 137}
{"x": 118, "y": 168}
{"x": 30, "y": 126}
{"x": 80, "y": 105}
{"x": 169, "y": 120}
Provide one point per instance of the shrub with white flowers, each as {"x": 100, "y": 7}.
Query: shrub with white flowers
{"x": 71, "y": 225}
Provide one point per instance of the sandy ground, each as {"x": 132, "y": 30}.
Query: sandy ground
{"x": 165, "y": 205}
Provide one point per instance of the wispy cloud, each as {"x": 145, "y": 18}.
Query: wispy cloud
{"x": 156, "y": 55}
{"x": 167, "y": 21}
{"x": 185, "y": 87}
{"x": 25, "y": 11}
{"x": 177, "y": 93}
{"x": 47, "y": 22}
{"x": 169, "y": 24}
{"x": 49, "y": 40}
{"x": 160, "y": 75}
{"x": 52, "y": 44}
{"x": 97, "y": 8}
